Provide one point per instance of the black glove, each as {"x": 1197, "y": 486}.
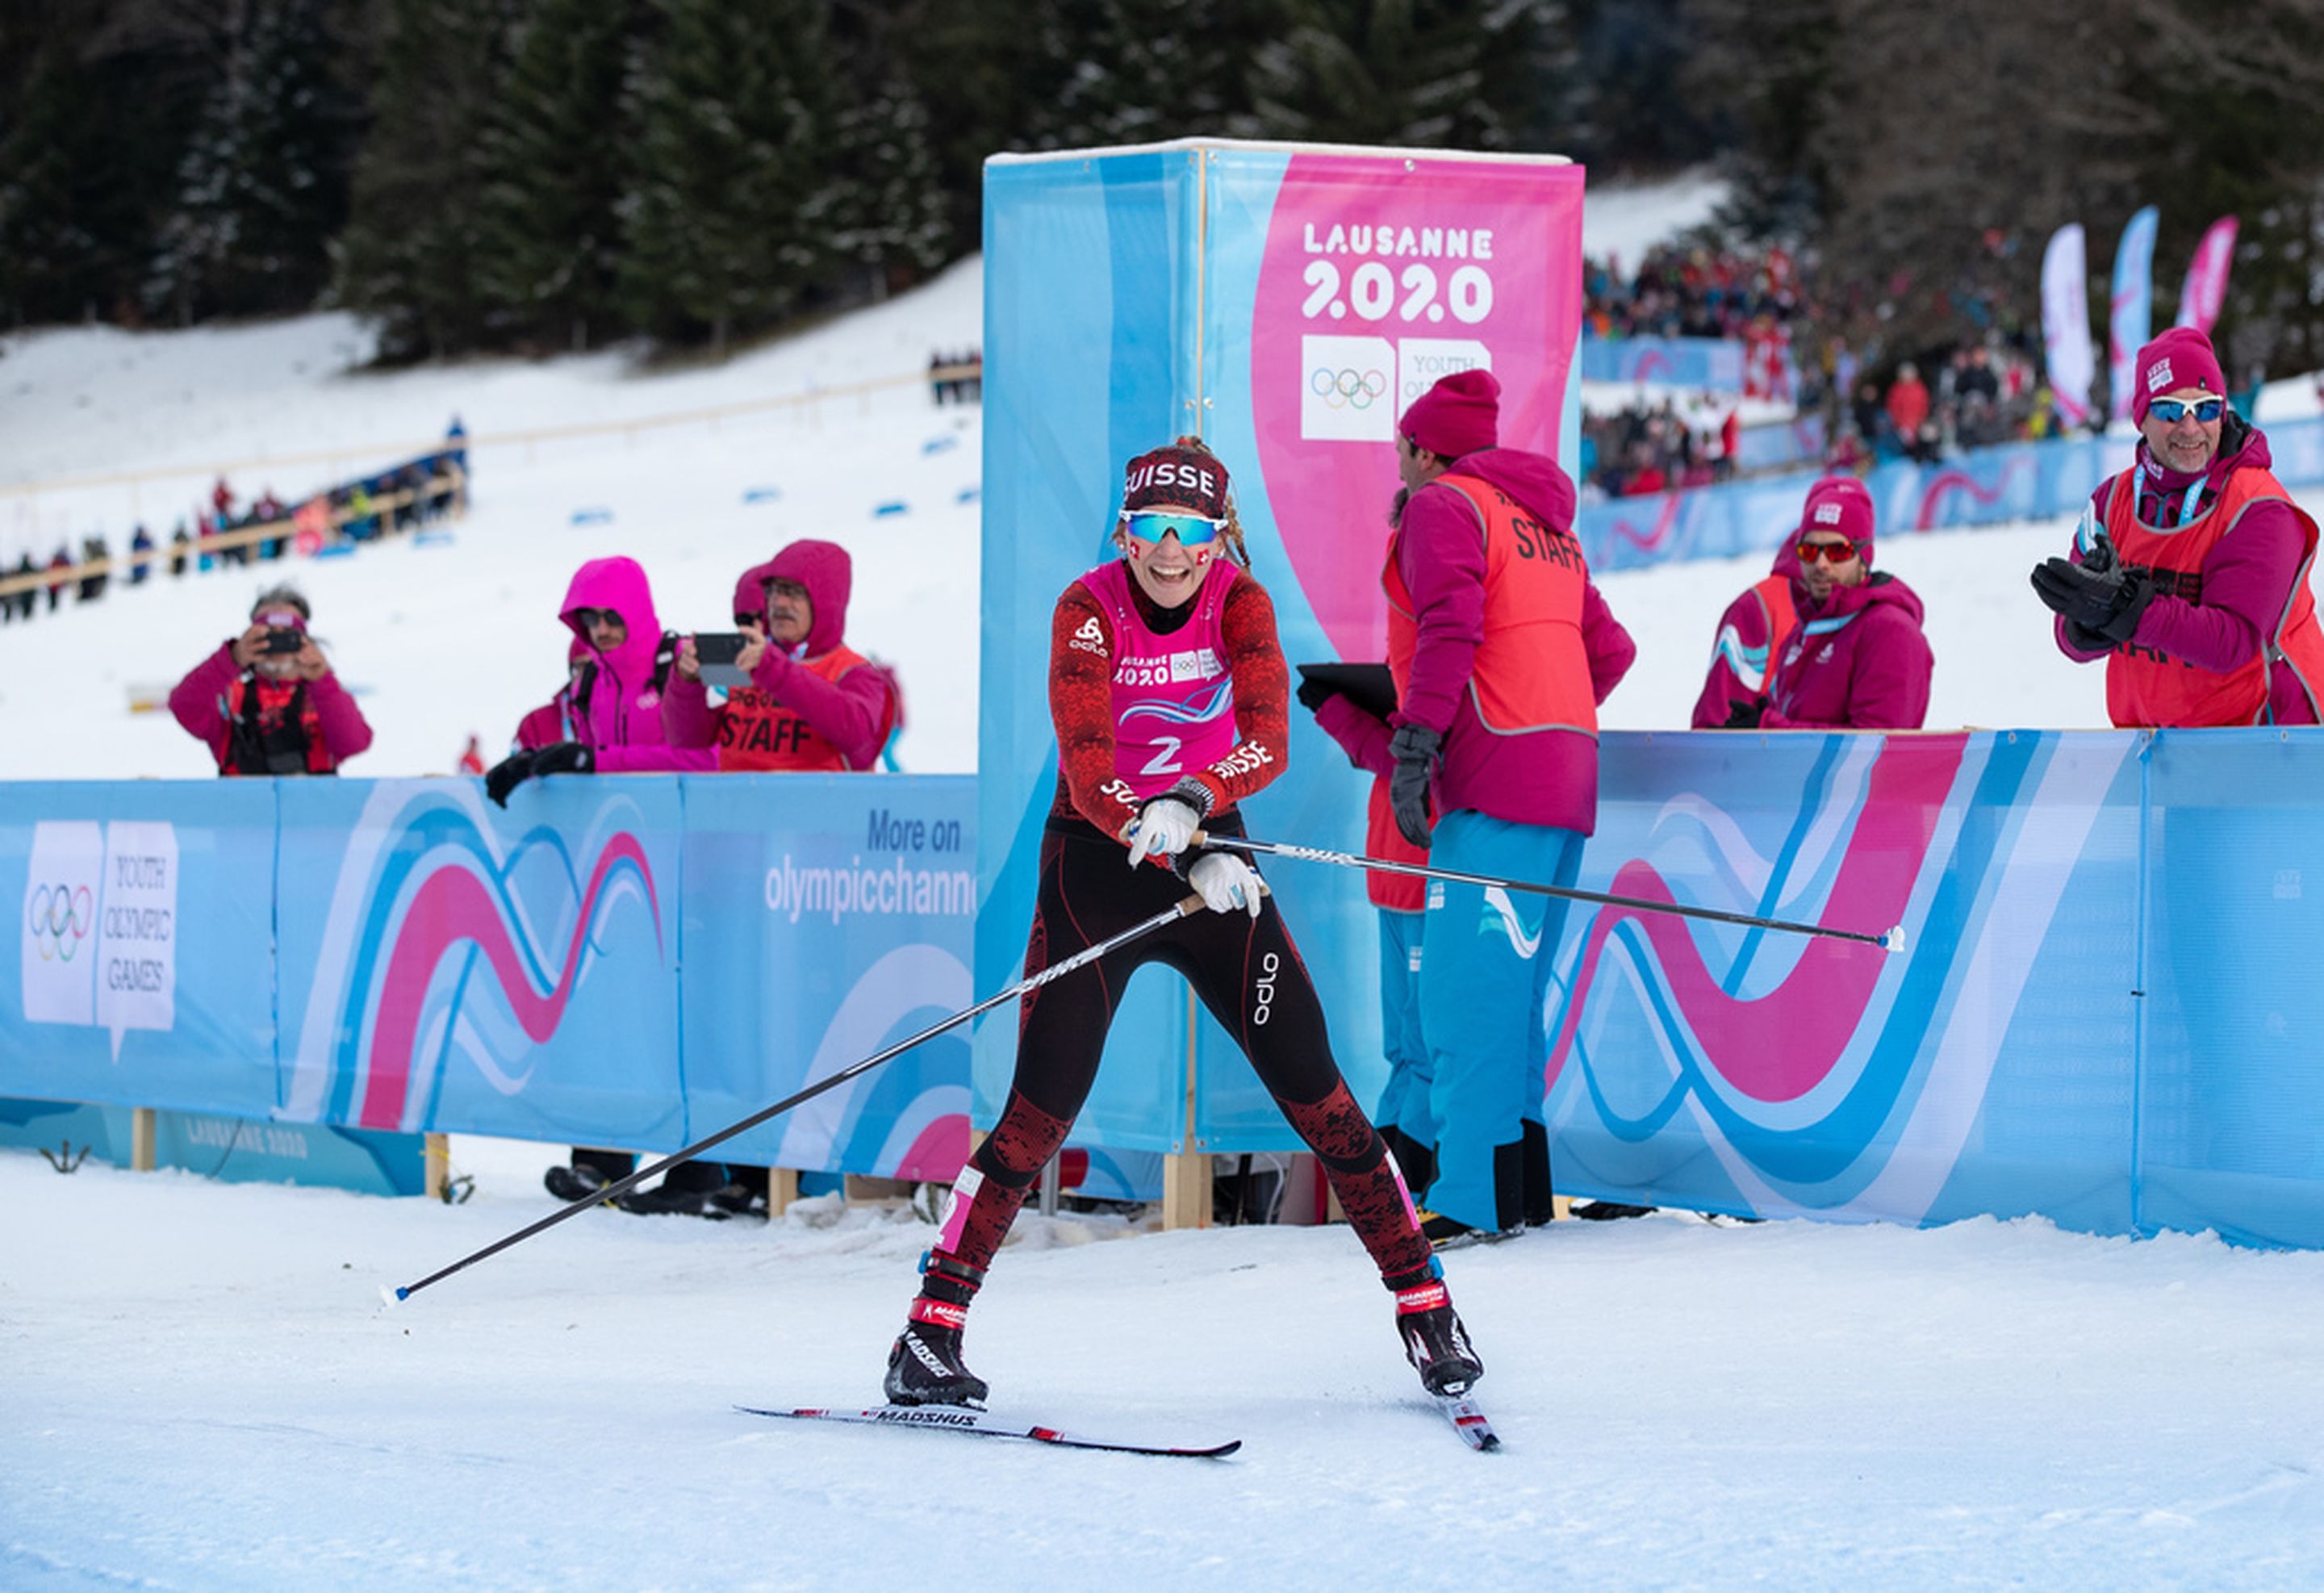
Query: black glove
{"x": 1413, "y": 747}
{"x": 1313, "y": 694}
{"x": 1744, "y": 716}
{"x": 2105, "y": 605}
{"x": 2098, "y": 557}
{"x": 564, "y": 758}
{"x": 508, "y": 774}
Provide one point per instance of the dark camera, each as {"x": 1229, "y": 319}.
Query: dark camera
{"x": 715, "y": 652}
{"x": 281, "y": 639}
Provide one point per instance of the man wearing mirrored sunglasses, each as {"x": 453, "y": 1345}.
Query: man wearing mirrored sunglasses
{"x": 2190, "y": 568}
{"x": 1855, "y": 658}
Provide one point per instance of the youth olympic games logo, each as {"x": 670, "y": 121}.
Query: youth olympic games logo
{"x": 1347, "y": 388}
{"x": 58, "y": 919}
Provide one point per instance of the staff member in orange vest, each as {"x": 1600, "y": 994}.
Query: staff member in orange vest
{"x": 814, "y": 704}
{"x": 1502, "y": 649}
{"x": 2191, "y": 569}
{"x": 1751, "y": 637}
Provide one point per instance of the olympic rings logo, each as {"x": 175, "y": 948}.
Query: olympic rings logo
{"x": 59, "y": 918}
{"x": 1345, "y": 389}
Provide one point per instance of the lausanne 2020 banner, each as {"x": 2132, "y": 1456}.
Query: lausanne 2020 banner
{"x": 1286, "y": 303}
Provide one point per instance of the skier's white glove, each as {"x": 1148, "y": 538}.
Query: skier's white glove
{"x": 1226, "y": 882}
{"x": 1163, "y": 828}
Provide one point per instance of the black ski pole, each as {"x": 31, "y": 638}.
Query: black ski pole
{"x": 1193, "y": 904}
{"x": 1892, "y": 941}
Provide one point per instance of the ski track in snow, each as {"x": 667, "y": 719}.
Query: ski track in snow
{"x": 202, "y": 1389}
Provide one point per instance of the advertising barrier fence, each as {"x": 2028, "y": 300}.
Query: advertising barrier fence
{"x": 629, "y": 962}
{"x": 1986, "y": 487}
{"x": 2099, "y": 1019}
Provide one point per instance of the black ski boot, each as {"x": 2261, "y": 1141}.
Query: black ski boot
{"x": 925, "y": 1367}
{"x": 1435, "y": 1341}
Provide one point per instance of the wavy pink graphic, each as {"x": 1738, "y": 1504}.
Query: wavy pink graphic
{"x": 455, "y": 906}
{"x": 939, "y": 1150}
{"x": 1666, "y": 522}
{"x": 1780, "y": 1046}
{"x": 1945, "y": 483}
{"x": 1650, "y": 362}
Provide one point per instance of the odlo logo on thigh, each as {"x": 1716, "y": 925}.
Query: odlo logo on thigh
{"x": 1267, "y": 968}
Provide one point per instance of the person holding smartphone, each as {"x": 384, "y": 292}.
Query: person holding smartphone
{"x": 812, "y": 703}
{"x": 266, "y": 701}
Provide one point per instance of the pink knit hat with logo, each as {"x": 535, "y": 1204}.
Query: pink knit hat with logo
{"x": 1461, "y": 414}
{"x": 2182, "y": 357}
{"x": 1839, "y": 503}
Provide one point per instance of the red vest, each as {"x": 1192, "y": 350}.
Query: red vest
{"x": 756, "y": 733}
{"x": 1532, "y": 667}
{"x": 2146, "y": 687}
{"x": 1775, "y": 595}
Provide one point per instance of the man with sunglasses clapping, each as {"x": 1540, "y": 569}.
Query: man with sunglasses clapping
{"x": 2189, "y": 570}
{"x": 1855, "y": 658}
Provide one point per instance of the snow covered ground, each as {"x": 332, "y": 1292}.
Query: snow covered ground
{"x": 202, "y": 1389}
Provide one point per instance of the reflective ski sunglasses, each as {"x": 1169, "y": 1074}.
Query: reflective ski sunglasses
{"x": 1829, "y": 552}
{"x": 590, "y": 619}
{"x": 1151, "y": 525}
{"x": 2170, "y": 411}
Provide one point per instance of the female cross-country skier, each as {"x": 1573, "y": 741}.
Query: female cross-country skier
{"x": 1168, "y": 691}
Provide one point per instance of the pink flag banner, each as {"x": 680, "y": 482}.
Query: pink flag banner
{"x": 2205, "y": 288}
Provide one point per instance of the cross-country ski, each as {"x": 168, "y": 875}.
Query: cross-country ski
{"x": 990, "y": 1424}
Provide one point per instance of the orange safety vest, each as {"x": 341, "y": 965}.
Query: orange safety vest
{"x": 757, "y": 732}
{"x": 1532, "y": 667}
{"x": 2146, "y": 687}
{"x": 1775, "y": 606}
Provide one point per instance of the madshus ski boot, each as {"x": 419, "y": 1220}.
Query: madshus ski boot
{"x": 1438, "y": 1348}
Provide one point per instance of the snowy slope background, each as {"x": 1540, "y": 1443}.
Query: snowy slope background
{"x": 202, "y": 1389}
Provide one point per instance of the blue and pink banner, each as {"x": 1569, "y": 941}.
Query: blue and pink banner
{"x": 2130, "y": 320}
{"x": 632, "y": 960}
{"x": 1286, "y": 303}
{"x": 1714, "y": 364}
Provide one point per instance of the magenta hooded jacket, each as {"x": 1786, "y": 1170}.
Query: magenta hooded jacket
{"x": 1549, "y": 778}
{"x": 1857, "y": 661}
{"x": 623, "y": 728}
{"x": 855, "y": 714}
{"x": 2247, "y": 578}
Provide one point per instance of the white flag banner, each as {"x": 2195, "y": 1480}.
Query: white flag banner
{"x": 2066, "y": 322}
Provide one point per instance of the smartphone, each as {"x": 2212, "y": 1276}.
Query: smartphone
{"x": 283, "y": 640}
{"x": 715, "y": 652}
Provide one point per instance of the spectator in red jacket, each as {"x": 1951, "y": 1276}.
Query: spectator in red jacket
{"x": 1857, "y": 659}
{"x": 266, "y": 701}
{"x": 1908, "y": 401}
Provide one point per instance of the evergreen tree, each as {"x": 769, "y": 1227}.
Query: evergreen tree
{"x": 550, "y": 230}
{"x": 407, "y": 258}
{"x": 731, "y": 218}
{"x": 889, "y": 212}
{"x": 1425, "y": 74}
{"x": 264, "y": 182}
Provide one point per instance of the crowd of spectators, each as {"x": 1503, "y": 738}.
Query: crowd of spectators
{"x": 1691, "y": 290}
{"x": 1659, "y": 447}
{"x": 404, "y": 498}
